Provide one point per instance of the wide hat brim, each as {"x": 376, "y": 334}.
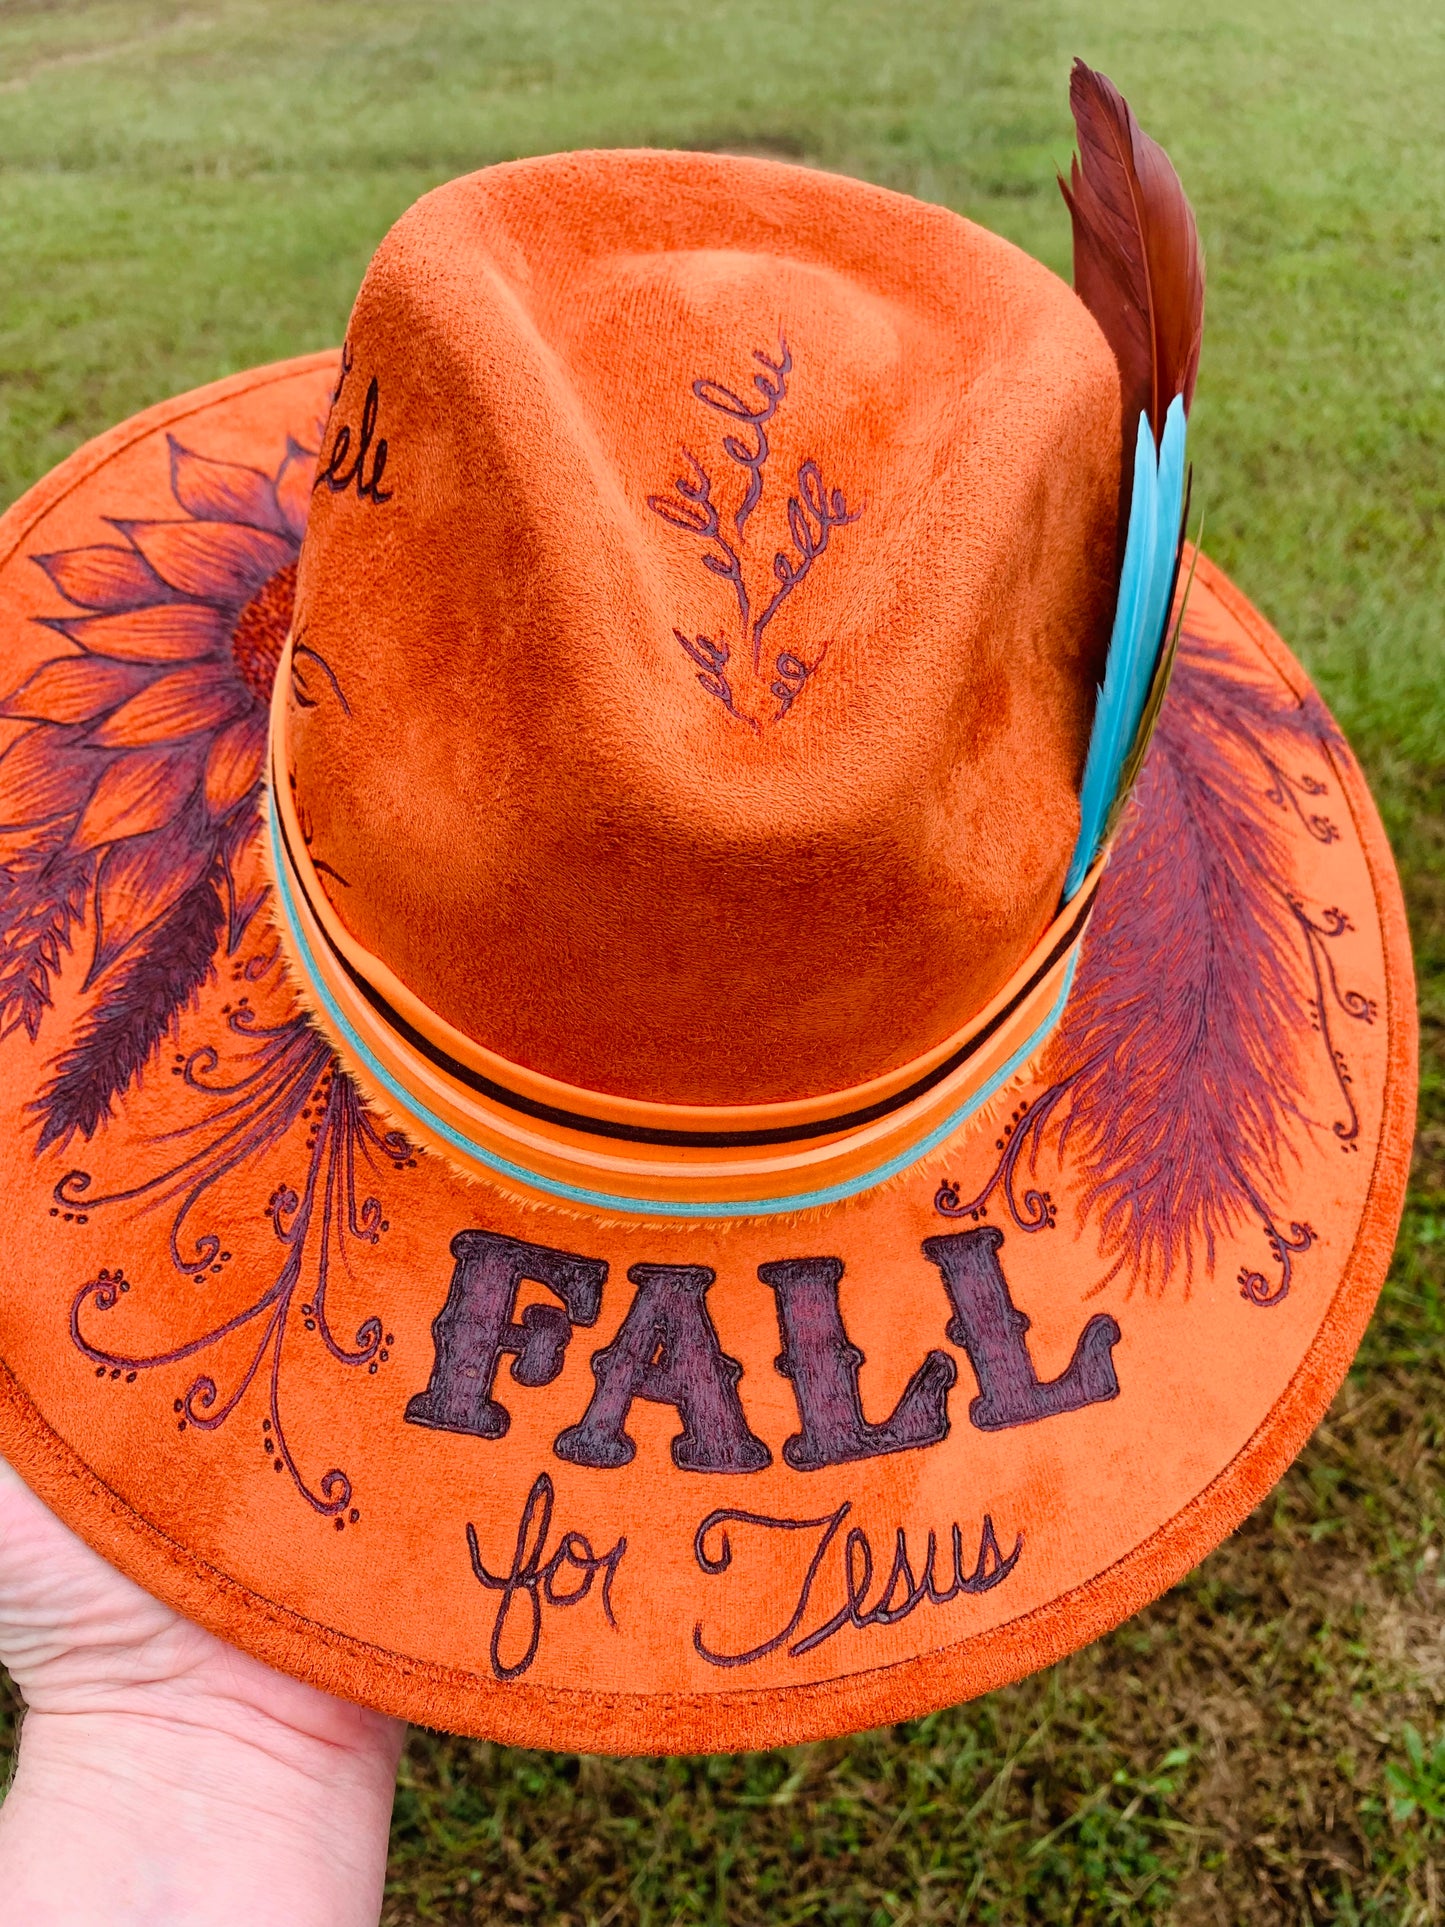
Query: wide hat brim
{"x": 886, "y": 1455}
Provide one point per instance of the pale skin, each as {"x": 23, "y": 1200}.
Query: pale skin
{"x": 165, "y": 1778}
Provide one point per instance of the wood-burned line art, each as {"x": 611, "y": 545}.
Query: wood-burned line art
{"x": 1168, "y": 1046}
{"x": 288, "y": 1077}
{"x": 302, "y": 655}
{"x": 535, "y": 1577}
{"x": 902, "y": 1592}
{"x": 133, "y": 797}
{"x": 814, "y": 511}
{"x": 1176, "y": 1074}
{"x": 333, "y": 473}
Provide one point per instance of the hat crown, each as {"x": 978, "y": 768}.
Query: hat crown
{"x": 708, "y": 572}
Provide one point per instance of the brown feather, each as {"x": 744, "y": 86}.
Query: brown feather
{"x": 1138, "y": 265}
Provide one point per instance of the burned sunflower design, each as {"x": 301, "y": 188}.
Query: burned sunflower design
{"x": 129, "y": 820}
{"x": 128, "y": 805}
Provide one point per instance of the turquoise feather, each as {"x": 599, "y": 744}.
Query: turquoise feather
{"x": 1140, "y": 619}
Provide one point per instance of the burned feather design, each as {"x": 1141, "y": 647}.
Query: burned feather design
{"x": 1175, "y": 1084}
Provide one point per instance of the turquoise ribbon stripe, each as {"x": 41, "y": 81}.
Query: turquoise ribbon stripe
{"x": 648, "y": 1207}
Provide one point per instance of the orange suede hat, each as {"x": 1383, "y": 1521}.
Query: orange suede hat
{"x": 634, "y": 1120}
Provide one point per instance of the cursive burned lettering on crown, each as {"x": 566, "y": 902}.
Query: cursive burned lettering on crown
{"x": 712, "y": 660}
{"x": 772, "y": 385}
{"x": 695, "y": 510}
{"x": 813, "y": 511}
{"x": 792, "y": 676}
{"x": 333, "y": 471}
{"x": 535, "y": 1577}
{"x": 902, "y": 1592}
{"x": 305, "y": 659}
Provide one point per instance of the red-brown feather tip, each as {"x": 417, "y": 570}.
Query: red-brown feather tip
{"x": 1138, "y": 265}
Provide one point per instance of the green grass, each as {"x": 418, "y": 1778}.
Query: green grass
{"x": 188, "y": 188}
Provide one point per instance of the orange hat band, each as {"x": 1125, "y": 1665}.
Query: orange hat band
{"x": 499, "y": 1119}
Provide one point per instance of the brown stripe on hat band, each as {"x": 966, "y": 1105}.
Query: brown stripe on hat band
{"x": 704, "y": 1140}
{"x": 423, "y": 1062}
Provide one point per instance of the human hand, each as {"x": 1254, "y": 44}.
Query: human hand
{"x": 163, "y": 1776}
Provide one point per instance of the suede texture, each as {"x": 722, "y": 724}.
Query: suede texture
{"x": 528, "y": 796}
{"x": 238, "y": 1352}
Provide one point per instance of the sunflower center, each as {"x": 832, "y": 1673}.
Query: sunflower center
{"x": 261, "y": 630}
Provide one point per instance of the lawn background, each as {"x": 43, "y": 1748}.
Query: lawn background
{"x": 186, "y": 189}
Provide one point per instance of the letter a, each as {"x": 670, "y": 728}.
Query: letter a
{"x": 667, "y": 1351}
{"x": 822, "y": 1362}
{"x": 474, "y": 1328}
{"x": 990, "y": 1328}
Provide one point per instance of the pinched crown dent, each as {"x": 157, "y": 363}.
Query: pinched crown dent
{"x": 702, "y": 617}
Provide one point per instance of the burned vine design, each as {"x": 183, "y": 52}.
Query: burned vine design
{"x": 305, "y": 656}
{"x": 332, "y": 471}
{"x": 1174, "y": 1075}
{"x": 284, "y": 1076}
{"x": 1326, "y": 998}
{"x": 1285, "y": 792}
{"x": 813, "y": 511}
{"x": 772, "y": 386}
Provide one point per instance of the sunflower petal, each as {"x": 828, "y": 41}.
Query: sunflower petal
{"x": 224, "y": 491}
{"x": 180, "y": 704}
{"x": 138, "y": 793}
{"x": 202, "y": 696}
{"x": 294, "y": 480}
{"x": 105, "y": 576}
{"x": 22, "y": 845}
{"x": 75, "y": 689}
{"x": 140, "y": 880}
{"x": 233, "y": 767}
{"x": 44, "y": 774}
{"x": 168, "y": 632}
{"x": 219, "y": 562}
